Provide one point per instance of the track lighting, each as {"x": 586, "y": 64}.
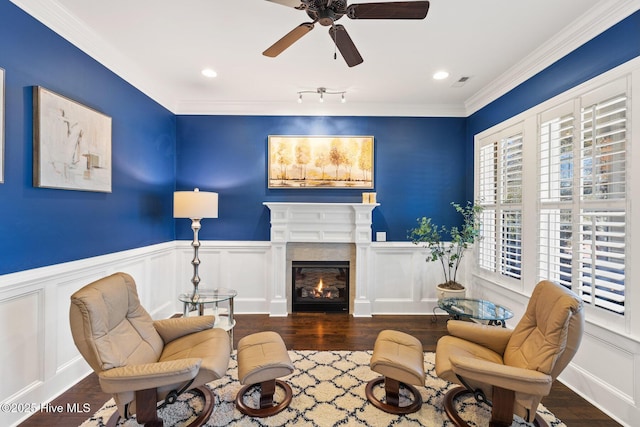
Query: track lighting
{"x": 322, "y": 91}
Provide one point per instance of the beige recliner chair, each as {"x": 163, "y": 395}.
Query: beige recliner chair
{"x": 512, "y": 370}
{"x": 142, "y": 362}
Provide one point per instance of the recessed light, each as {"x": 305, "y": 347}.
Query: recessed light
{"x": 208, "y": 72}
{"x": 440, "y": 75}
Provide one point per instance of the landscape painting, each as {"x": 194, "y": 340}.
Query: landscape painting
{"x": 71, "y": 144}
{"x": 321, "y": 161}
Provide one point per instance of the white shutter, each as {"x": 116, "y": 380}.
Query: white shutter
{"x": 556, "y": 159}
{"x": 500, "y": 194}
{"x": 487, "y": 246}
{"x": 602, "y": 258}
{"x": 582, "y": 196}
{"x": 555, "y": 194}
{"x": 487, "y": 195}
{"x": 488, "y": 187}
{"x": 603, "y": 153}
{"x": 511, "y": 204}
{"x": 511, "y": 243}
{"x": 602, "y": 220}
{"x": 555, "y": 248}
{"x": 511, "y": 170}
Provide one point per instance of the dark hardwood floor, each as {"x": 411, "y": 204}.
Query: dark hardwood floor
{"x": 328, "y": 332}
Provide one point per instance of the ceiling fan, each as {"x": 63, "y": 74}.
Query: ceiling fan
{"x": 327, "y": 12}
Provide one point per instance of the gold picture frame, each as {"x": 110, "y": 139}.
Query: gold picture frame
{"x": 320, "y": 162}
{"x": 71, "y": 144}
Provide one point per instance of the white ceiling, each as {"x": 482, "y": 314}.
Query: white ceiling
{"x": 160, "y": 46}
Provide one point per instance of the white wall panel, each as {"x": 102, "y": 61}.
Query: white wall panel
{"x": 242, "y": 266}
{"x": 403, "y": 282}
{"x": 392, "y": 273}
{"x": 619, "y": 368}
{"x": 247, "y": 271}
{"x": 162, "y": 284}
{"x": 21, "y": 335}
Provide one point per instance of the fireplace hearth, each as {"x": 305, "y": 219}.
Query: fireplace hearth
{"x": 320, "y": 286}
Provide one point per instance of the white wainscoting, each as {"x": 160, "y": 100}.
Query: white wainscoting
{"x": 243, "y": 266}
{"x": 39, "y": 360}
{"x": 402, "y": 282}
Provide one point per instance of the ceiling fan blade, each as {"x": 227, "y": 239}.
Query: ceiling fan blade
{"x": 296, "y": 4}
{"x": 290, "y": 38}
{"x": 390, "y": 10}
{"x": 345, "y": 45}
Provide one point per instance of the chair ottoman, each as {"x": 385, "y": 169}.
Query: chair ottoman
{"x": 399, "y": 358}
{"x": 262, "y": 358}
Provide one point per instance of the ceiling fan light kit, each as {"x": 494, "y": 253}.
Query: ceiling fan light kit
{"x": 327, "y": 12}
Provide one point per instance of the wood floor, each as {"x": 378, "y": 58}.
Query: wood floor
{"x": 328, "y": 332}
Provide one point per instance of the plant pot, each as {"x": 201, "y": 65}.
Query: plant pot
{"x": 442, "y": 292}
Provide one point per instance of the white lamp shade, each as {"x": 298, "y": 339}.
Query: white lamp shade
{"x": 195, "y": 204}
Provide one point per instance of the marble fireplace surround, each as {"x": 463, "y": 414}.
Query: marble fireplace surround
{"x": 320, "y": 231}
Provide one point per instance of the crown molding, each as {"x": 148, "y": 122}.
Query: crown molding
{"x": 311, "y": 108}
{"x": 54, "y": 16}
{"x": 592, "y": 23}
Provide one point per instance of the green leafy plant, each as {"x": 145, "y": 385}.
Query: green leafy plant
{"x": 449, "y": 252}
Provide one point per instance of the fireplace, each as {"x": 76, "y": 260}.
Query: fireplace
{"x": 320, "y": 286}
{"x": 322, "y": 224}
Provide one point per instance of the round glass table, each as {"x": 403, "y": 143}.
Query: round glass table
{"x": 221, "y": 302}
{"x": 478, "y": 309}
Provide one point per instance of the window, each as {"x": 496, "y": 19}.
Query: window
{"x": 582, "y": 196}
{"x": 500, "y": 194}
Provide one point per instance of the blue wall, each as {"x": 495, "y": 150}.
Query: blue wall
{"x": 422, "y": 164}
{"x": 418, "y": 169}
{"x": 39, "y": 226}
{"x": 613, "y": 47}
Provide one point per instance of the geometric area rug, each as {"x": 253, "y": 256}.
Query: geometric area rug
{"x": 328, "y": 390}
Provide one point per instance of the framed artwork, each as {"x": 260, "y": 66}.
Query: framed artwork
{"x": 320, "y": 161}
{"x": 1, "y": 125}
{"x": 71, "y": 144}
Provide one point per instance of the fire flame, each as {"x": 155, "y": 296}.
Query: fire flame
{"x": 320, "y": 286}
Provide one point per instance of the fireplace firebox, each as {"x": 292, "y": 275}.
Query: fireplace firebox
{"x": 320, "y": 286}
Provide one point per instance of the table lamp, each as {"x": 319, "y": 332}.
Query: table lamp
{"x": 196, "y": 205}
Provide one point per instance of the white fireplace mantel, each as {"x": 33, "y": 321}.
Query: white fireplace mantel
{"x": 320, "y": 223}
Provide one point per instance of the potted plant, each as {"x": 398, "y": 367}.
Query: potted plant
{"x": 449, "y": 252}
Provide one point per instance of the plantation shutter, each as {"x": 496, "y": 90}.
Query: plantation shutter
{"x": 511, "y": 203}
{"x": 488, "y": 190}
{"x": 602, "y": 221}
{"x": 582, "y": 196}
{"x": 602, "y": 258}
{"x": 555, "y": 194}
{"x": 500, "y": 194}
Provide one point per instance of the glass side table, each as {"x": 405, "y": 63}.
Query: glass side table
{"x": 221, "y": 300}
{"x": 478, "y": 309}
